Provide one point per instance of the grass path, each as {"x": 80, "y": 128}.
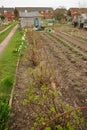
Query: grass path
{"x": 8, "y": 60}
{"x": 7, "y": 39}
{"x": 5, "y": 33}
{"x": 5, "y": 29}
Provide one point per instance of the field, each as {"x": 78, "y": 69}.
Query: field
{"x": 57, "y": 59}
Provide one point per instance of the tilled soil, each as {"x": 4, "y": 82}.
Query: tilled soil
{"x": 71, "y": 68}
{"x": 71, "y": 75}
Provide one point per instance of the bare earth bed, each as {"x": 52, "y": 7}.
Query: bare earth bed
{"x": 70, "y": 72}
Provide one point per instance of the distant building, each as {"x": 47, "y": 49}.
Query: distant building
{"x": 45, "y": 12}
{"x": 79, "y": 15}
{"x": 9, "y": 16}
{"x": 77, "y": 11}
{"x": 82, "y": 19}
{"x": 28, "y": 18}
{"x": 7, "y": 12}
{"x": 25, "y": 13}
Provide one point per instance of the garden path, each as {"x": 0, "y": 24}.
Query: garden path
{"x": 7, "y": 39}
{"x": 5, "y": 29}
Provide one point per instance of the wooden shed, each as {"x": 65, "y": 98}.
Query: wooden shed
{"x": 28, "y": 18}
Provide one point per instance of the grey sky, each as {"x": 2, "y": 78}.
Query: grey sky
{"x": 45, "y": 3}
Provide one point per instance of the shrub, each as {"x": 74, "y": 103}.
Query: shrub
{"x": 4, "y": 111}
{"x": 6, "y": 84}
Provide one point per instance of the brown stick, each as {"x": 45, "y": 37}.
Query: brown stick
{"x": 48, "y": 122}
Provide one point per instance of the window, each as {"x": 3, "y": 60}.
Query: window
{"x": 26, "y": 11}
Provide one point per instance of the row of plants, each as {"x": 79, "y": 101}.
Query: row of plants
{"x": 78, "y": 34}
{"x": 4, "y": 34}
{"x": 71, "y": 48}
{"x": 8, "y": 62}
{"x": 49, "y": 112}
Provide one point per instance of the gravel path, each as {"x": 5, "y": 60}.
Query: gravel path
{"x": 7, "y": 39}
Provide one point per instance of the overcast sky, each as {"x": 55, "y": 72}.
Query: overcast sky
{"x": 43, "y": 3}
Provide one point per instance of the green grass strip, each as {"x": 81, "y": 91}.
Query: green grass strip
{"x": 3, "y": 26}
{"x": 8, "y": 63}
{"x": 4, "y": 34}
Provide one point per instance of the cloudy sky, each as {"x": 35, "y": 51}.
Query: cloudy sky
{"x": 46, "y": 3}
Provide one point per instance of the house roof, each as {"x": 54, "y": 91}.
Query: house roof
{"x": 29, "y": 14}
{"x": 24, "y": 9}
{"x": 7, "y": 10}
{"x": 29, "y": 9}
{"x": 78, "y": 10}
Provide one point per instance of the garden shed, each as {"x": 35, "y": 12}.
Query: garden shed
{"x": 28, "y": 18}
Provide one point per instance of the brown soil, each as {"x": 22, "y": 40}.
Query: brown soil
{"x": 70, "y": 71}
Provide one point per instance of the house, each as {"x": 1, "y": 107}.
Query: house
{"x": 45, "y": 12}
{"x": 7, "y": 12}
{"x": 79, "y": 15}
{"x": 32, "y": 18}
{"x": 77, "y": 11}
{"x": 9, "y": 16}
{"x": 82, "y": 20}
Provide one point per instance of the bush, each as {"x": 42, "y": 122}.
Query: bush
{"x": 2, "y": 17}
{"x": 4, "y": 111}
{"x": 6, "y": 83}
